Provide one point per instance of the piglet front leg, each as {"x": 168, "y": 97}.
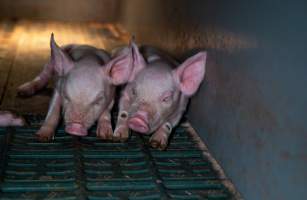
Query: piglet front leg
{"x": 7, "y": 118}
{"x": 121, "y": 132}
{"x": 46, "y": 132}
{"x": 159, "y": 140}
{"x": 104, "y": 129}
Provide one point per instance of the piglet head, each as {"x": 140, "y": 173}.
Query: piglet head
{"x": 158, "y": 91}
{"x": 87, "y": 88}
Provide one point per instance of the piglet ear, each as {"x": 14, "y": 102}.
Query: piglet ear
{"x": 125, "y": 65}
{"x": 138, "y": 61}
{"x": 190, "y": 74}
{"x": 61, "y": 62}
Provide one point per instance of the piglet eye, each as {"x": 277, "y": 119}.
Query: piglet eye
{"x": 98, "y": 101}
{"x": 66, "y": 97}
{"x": 167, "y": 97}
{"x": 133, "y": 91}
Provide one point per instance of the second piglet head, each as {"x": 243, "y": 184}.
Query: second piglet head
{"x": 158, "y": 94}
{"x": 86, "y": 87}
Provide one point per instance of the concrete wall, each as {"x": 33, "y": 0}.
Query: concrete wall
{"x": 251, "y": 110}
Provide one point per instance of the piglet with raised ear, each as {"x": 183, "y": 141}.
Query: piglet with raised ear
{"x": 157, "y": 94}
{"x": 86, "y": 80}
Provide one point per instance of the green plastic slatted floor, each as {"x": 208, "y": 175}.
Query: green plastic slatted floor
{"x": 71, "y": 168}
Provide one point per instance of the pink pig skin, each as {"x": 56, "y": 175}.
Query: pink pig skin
{"x": 7, "y": 118}
{"x": 157, "y": 94}
{"x": 86, "y": 81}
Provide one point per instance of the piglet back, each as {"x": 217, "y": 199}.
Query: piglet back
{"x": 79, "y": 52}
{"x": 152, "y": 54}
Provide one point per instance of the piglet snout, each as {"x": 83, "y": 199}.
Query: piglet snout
{"x": 138, "y": 123}
{"x": 76, "y": 129}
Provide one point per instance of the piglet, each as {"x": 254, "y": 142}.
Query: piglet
{"x": 8, "y": 118}
{"x": 85, "y": 86}
{"x": 157, "y": 94}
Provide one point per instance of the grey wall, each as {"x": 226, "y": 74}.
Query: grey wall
{"x": 251, "y": 110}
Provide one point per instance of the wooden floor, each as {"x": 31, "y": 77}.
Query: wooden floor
{"x": 24, "y": 49}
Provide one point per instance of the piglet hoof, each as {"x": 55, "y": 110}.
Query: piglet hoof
{"x": 104, "y": 131}
{"x": 18, "y": 121}
{"x": 121, "y": 134}
{"x": 159, "y": 141}
{"x": 25, "y": 90}
{"x": 8, "y": 118}
{"x": 44, "y": 134}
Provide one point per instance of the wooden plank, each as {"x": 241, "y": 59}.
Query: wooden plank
{"x": 31, "y": 54}
{"x": 7, "y": 54}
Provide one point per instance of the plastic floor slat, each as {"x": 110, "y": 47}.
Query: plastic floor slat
{"x": 70, "y": 168}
